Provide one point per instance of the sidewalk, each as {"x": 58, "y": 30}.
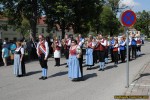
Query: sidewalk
{"x": 141, "y": 83}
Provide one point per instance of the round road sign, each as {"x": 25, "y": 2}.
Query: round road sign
{"x": 128, "y": 18}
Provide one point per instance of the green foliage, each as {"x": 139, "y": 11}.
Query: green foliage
{"x": 110, "y": 23}
{"x": 143, "y": 22}
{"x": 82, "y": 15}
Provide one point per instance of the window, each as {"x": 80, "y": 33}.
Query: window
{"x": 6, "y": 39}
{"x": 42, "y": 30}
{"x": 15, "y": 39}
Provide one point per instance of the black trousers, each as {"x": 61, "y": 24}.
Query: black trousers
{"x": 96, "y": 55}
{"x": 115, "y": 54}
{"x": 80, "y": 63}
{"x": 102, "y": 56}
{"x": 23, "y": 66}
{"x": 122, "y": 52}
{"x": 106, "y": 53}
{"x": 138, "y": 48}
{"x": 112, "y": 55}
{"x": 66, "y": 52}
{"x": 43, "y": 62}
{"x": 57, "y": 61}
{"x": 133, "y": 51}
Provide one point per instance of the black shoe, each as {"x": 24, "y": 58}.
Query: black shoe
{"x": 88, "y": 69}
{"x": 41, "y": 78}
{"x": 44, "y": 78}
{"x": 102, "y": 69}
{"x": 99, "y": 69}
{"x": 66, "y": 66}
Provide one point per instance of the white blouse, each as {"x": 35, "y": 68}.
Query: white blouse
{"x": 21, "y": 49}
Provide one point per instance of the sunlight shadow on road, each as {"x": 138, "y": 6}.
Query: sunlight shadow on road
{"x": 32, "y": 73}
{"x": 59, "y": 74}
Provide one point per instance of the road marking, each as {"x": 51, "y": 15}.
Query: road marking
{"x": 133, "y": 84}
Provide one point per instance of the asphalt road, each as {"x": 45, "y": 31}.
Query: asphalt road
{"x": 96, "y": 85}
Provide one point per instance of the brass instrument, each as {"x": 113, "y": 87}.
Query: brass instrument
{"x": 63, "y": 42}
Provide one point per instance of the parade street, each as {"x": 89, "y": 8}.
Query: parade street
{"x": 97, "y": 85}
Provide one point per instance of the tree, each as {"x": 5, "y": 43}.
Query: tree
{"x": 110, "y": 23}
{"x": 16, "y": 10}
{"x": 143, "y": 22}
{"x": 24, "y": 28}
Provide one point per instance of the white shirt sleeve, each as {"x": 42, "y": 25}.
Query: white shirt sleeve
{"x": 22, "y": 51}
{"x": 47, "y": 49}
{"x": 69, "y": 43}
{"x": 93, "y": 44}
{"x": 59, "y": 44}
{"x": 37, "y": 48}
{"x": 104, "y": 44}
{"x": 80, "y": 44}
{"x": 82, "y": 41}
{"x": 116, "y": 46}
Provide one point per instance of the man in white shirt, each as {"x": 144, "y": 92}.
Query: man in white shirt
{"x": 42, "y": 52}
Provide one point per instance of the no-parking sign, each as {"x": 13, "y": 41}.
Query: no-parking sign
{"x": 128, "y": 18}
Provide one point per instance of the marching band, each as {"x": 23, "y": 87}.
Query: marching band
{"x": 97, "y": 50}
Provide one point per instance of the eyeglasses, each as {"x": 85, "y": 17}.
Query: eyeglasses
{"x": 72, "y": 42}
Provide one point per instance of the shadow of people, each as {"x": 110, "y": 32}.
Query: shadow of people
{"x": 109, "y": 67}
{"x": 142, "y": 75}
{"x": 88, "y": 76}
{"x": 32, "y": 73}
{"x": 58, "y": 74}
{"x": 94, "y": 67}
{"x": 63, "y": 64}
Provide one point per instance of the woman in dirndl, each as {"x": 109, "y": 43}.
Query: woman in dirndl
{"x": 57, "y": 53}
{"x": 19, "y": 64}
{"x": 89, "y": 53}
{"x": 74, "y": 66}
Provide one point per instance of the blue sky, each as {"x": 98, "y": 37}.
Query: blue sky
{"x": 142, "y": 5}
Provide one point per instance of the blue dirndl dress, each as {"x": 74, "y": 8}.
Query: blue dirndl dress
{"x": 89, "y": 56}
{"x": 17, "y": 64}
{"x": 74, "y": 67}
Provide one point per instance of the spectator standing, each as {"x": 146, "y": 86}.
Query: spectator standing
{"x": 5, "y": 54}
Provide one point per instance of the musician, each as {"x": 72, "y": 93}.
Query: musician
{"x": 122, "y": 49}
{"x": 42, "y": 52}
{"x": 57, "y": 51}
{"x": 112, "y": 41}
{"x": 139, "y": 43}
{"x": 102, "y": 52}
{"x": 74, "y": 67}
{"x": 95, "y": 50}
{"x": 115, "y": 52}
{"x": 67, "y": 43}
{"x": 106, "y": 50}
{"x": 89, "y": 53}
{"x": 133, "y": 45}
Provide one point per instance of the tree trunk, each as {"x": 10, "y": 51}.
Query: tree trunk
{"x": 63, "y": 28}
{"x": 33, "y": 20}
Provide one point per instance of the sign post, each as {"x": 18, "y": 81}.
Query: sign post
{"x": 128, "y": 19}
